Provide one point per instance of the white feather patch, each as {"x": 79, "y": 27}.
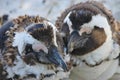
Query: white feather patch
{"x": 22, "y": 69}
{"x": 67, "y": 20}
{"x": 21, "y": 39}
{"x": 100, "y": 21}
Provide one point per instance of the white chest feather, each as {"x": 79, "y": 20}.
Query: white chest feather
{"x": 102, "y": 72}
{"x": 101, "y": 53}
{"x": 22, "y": 69}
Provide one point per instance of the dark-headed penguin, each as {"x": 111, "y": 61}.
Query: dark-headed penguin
{"x": 91, "y": 36}
{"x": 29, "y": 49}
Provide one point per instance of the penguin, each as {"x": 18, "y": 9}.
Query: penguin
{"x": 92, "y": 39}
{"x": 29, "y": 49}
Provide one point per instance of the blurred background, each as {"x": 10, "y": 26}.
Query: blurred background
{"x": 49, "y": 9}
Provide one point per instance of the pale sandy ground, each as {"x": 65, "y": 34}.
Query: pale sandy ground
{"x": 116, "y": 77}
{"x": 50, "y": 9}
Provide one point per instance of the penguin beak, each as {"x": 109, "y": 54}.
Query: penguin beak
{"x": 76, "y": 41}
{"x": 54, "y": 57}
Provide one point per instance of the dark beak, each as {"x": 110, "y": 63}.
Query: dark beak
{"x": 55, "y": 58}
{"x": 76, "y": 41}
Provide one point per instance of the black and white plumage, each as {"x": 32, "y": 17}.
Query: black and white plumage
{"x": 29, "y": 49}
{"x": 91, "y": 35}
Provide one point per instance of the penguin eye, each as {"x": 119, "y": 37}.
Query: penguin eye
{"x": 28, "y": 48}
{"x": 96, "y": 27}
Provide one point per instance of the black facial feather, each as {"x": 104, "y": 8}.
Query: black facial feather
{"x": 79, "y": 17}
{"x": 65, "y": 30}
{"x": 43, "y": 34}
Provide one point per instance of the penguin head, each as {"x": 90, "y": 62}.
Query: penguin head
{"x": 38, "y": 39}
{"x": 85, "y": 27}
